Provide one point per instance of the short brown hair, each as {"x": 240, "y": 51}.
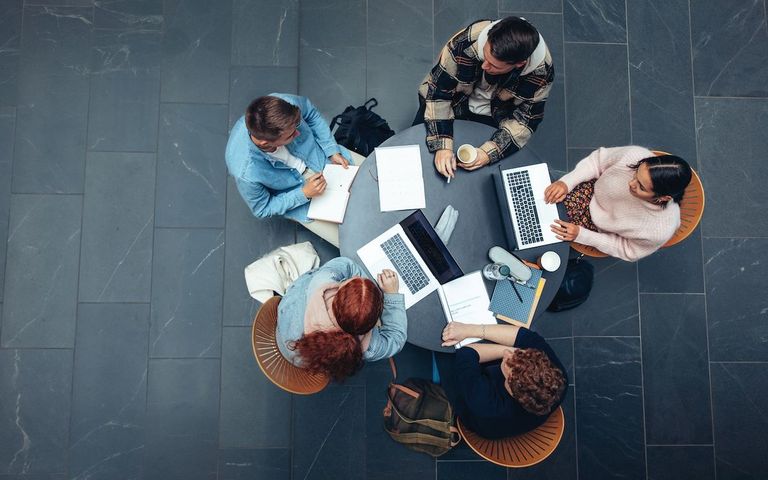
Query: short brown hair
{"x": 534, "y": 381}
{"x": 267, "y": 118}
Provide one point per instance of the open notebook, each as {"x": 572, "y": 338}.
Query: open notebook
{"x": 332, "y": 204}
{"x": 465, "y": 300}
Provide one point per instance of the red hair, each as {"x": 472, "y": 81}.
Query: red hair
{"x": 357, "y": 307}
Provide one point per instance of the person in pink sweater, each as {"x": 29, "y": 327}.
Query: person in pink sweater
{"x": 622, "y": 201}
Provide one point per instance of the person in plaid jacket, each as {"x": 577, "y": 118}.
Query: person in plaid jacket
{"x": 494, "y": 72}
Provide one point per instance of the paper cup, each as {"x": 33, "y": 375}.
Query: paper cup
{"x": 466, "y": 153}
{"x": 549, "y": 261}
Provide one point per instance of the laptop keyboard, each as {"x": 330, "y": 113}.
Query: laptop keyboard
{"x": 528, "y": 226}
{"x": 405, "y": 263}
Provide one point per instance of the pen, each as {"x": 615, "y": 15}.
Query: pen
{"x": 516, "y": 292}
{"x": 449, "y": 179}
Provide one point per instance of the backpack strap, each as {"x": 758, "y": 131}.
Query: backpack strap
{"x": 421, "y": 438}
{"x": 375, "y": 102}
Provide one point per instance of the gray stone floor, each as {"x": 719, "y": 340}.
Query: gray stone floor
{"x": 124, "y": 342}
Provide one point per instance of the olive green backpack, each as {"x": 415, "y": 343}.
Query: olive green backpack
{"x": 419, "y": 416}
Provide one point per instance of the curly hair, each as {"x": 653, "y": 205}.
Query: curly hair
{"x": 357, "y": 307}
{"x": 534, "y": 381}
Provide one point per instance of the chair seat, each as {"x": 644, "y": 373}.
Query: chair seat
{"x": 275, "y": 366}
{"x": 521, "y": 450}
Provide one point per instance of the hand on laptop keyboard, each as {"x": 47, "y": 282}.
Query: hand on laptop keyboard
{"x": 388, "y": 281}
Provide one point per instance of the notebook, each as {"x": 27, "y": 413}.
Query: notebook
{"x": 507, "y": 306}
{"x": 465, "y": 300}
{"x": 401, "y": 184}
{"x": 332, "y": 204}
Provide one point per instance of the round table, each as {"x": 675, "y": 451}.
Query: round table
{"x": 478, "y": 227}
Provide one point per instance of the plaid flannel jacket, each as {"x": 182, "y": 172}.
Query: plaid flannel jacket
{"x": 517, "y": 104}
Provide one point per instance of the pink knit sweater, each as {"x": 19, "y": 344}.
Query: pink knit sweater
{"x": 628, "y": 227}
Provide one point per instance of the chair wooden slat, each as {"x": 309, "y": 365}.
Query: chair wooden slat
{"x": 275, "y": 367}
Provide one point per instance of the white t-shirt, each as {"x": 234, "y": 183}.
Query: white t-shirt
{"x": 282, "y": 154}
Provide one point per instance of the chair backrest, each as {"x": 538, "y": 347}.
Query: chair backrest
{"x": 275, "y": 366}
{"x": 521, "y": 450}
{"x": 691, "y": 211}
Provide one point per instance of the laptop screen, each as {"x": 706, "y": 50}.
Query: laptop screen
{"x": 430, "y": 247}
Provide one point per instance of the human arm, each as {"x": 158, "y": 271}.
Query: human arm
{"x": 597, "y": 162}
{"x": 438, "y": 91}
{"x": 504, "y": 335}
{"x": 627, "y": 249}
{"x": 263, "y": 203}
{"x": 319, "y": 127}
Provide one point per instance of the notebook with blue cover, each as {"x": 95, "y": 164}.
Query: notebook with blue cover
{"x": 507, "y": 306}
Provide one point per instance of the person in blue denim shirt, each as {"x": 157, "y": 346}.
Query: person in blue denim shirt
{"x": 277, "y": 151}
{"x": 334, "y": 318}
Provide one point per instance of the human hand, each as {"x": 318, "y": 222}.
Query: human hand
{"x": 564, "y": 230}
{"x": 555, "y": 192}
{"x": 314, "y": 186}
{"x": 455, "y": 332}
{"x": 481, "y": 161}
{"x": 445, "y": 162}
{"x": 388, "y": 281}
{"x": 339, "y": 159}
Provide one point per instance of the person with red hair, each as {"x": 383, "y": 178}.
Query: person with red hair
{"x": 333, "y": 319}
{"x": 507, "y": 387}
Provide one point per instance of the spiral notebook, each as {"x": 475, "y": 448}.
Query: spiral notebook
{"x": 506, "y": 305}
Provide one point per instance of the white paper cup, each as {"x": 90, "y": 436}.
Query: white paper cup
{"x": 549, "y": 261}
{"x": 466, "y": 154}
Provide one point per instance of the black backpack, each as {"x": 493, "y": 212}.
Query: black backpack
{"x": 360, "y": 129}
{"x": 577, "y": 283}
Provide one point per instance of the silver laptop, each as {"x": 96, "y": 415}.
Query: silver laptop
{"x": 416, "y": 253}
{"x": 526, "y": 217}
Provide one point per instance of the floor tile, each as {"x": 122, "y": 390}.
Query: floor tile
{"x": 739, "y": 399}
{"x": 248, "y": 239}
{"x": 34, "y": 414}
{"x": 109, "y": 391}
{"x": 611, "y": 308}
{"x": 7, "y": 125}
{"x": 118, "y": 218}
{"x": 41, "y": 271}
{"x": 329, "y": 434}
{"x": 597, "y": 103}
{"x": 675, "y": 370}
{"x": 610, "y": 408}
{"x": 563, "y": 348}
{"x": 125, "y": 89}
{"x": 196, "y": 51}
{"x": 191, "y": 173}
{"x": 182, "y": 419}
{"x": 271, "y": 463}
{"x": 265, "y": 32}
{"x": 134, "y": 14}
{"x": 337, "y": 23}
{"x": 254, "y": 412}
{"x": 661, "y": 85}
{"x": 186, "y": 293}
{"x": 677, "y": 463}
{"x": 736, "y": 285}
{"x": 676, "y": 269}
{"x": 595, "y": 21}
{"x": 476, "y": 469}
{"x": 333, "y": 78}
{"x": 575, "y": 155}
{"x": 554, "y": 324}
{"x": 729, "y": 53}
{"x": 10, "y": 39}
{"x": 53, "y": 98}
{"x": 452, "y": 16}
{"x": 544, "y": 6}
{"x": 399, "y": 56}
{"x": 249, "y": 83}
{"x": 732, "y": 147}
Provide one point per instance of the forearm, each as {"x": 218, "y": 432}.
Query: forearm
{"x": 504, "y": 335}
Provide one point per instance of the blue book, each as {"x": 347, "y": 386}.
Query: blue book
{"x": 507, "y": 306}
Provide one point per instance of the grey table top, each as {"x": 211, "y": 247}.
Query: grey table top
{"x": 477, "y": 230}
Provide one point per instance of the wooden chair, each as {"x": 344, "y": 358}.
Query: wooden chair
{"x": 521, "y": 450}
{"x": 691, "y": 211}
{"x": 275, "y": 366}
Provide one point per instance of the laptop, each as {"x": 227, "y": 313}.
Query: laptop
{"x": 416, "y": 253}
{"x": 525, "y": 216}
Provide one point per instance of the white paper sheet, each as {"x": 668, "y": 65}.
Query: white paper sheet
{"x": 465, "y": 300}
{"x": 401, "y": 184}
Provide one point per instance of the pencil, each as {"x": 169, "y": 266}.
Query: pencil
{"x": 516, "y": 292}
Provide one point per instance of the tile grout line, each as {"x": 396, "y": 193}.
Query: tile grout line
{"x": 703, "y": 263}
{"x": 642, "y": 368}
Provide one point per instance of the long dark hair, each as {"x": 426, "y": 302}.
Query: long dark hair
{"x": 670, "y": 175}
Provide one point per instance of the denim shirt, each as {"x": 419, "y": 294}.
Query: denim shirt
{"x": 386, "y": 339}
{"x": 268, "y": 186}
